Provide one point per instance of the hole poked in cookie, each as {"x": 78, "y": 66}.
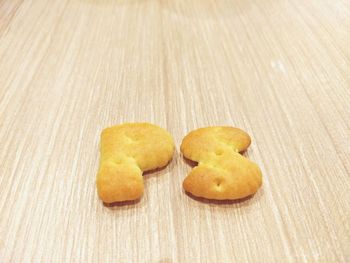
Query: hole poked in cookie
{"x": 219, "y": 152}
{"x": 127, "y": 151}
{"x": 222, "y": 172}
{"x": 218, "y": 182}
{"x": 133, "y": 136}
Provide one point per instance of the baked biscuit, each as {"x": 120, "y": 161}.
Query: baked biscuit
{"x": 127, "y": 150}
{"x": 222, "y": 172}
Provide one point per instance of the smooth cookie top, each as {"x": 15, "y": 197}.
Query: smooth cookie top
{"x": 149, "y": 145}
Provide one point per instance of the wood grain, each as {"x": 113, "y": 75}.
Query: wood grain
{"x": 279, "y": 69}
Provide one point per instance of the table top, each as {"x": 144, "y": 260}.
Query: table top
{"x": 278, "y": 69}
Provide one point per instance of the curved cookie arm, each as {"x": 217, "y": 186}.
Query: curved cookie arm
{"x": 240, "y": 179}
{"x": 202, "y": 143}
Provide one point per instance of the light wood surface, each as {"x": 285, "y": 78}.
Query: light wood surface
{"x": 278, "y": 69}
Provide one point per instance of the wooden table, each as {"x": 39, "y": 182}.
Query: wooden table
{"x": 279, "y": 69}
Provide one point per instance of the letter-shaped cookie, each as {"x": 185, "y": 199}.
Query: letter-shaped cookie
{"x": 127, "y": 150}
{"x": 222, "y": 172}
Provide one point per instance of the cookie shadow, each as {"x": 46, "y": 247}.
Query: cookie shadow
{"x": 190, "y": 162}
{"x": 122, "y": 203}
{"x": 219, "y": 202}
{"x": 154, "y": 173}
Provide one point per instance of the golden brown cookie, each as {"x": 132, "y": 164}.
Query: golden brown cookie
{"x": 127, "y": 150}
{"x": 222, "y": 172}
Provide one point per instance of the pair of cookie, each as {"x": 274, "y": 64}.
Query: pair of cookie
{"x": 130, "y": 149}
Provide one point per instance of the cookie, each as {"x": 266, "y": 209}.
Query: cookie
{"x": 127, "y": 151}
{"x": 222, "y": 172}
